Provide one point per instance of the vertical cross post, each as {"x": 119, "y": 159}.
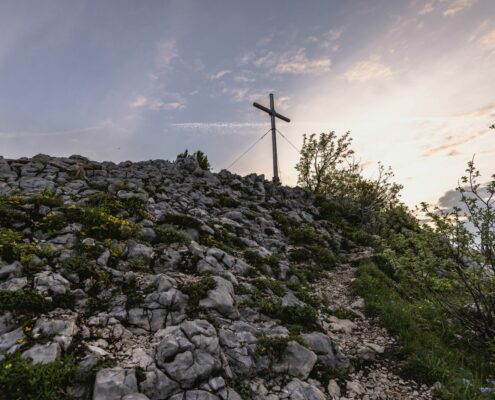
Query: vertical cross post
{"x": 271, "y": 111}
{"x": 274, "y": 140}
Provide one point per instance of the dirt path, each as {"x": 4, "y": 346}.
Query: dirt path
{"x": 369, "y": 346}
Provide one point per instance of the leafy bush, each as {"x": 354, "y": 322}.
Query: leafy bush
{"x": 168, "y": 235}
{"x": 303, "y": 235}
{"x": 182, "y": 220}
{"x": 226, "y": 201}
{"x": 297, "y": 318}
{"x": 198, "y": 290}
{"x": 274, "y": 347}
{"x": 85, "y": 268}
{"x": 20, "y": 379}
{"x": 327, "y": 167}
{"x": 426, "y": 335}
{"x": 24, "y": 302}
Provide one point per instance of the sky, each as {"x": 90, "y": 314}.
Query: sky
{"x": 413, "y": 80}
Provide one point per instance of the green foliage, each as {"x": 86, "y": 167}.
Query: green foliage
{"x": 85, "y": 268}
{"x": 467, "y": 238}
{"x": 9, "y": 242}
{"x": 198, "y": 290}
{"x": 274, "y": 347}
{"x": 22, "y": 380}
{"x": 226, "y": 201}
{"x": 254, "y": 258}
{"x": 298, "y": 318}
{"x": 200, "y": 157}
{"x": 327, "y": 167}
{"x": 167, "y": 235}
{"x": 24, "y": 302}
{"x": 265, "y": 284}
{"x": 183, "y": 221}
{"x": 96, "y": 221}
{"x": 305, "y": 234}
{"x": 324, "y": 161}
{"x": 429, "y": 345}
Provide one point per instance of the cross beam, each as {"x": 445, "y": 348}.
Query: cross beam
{"x": 273, "y": 114}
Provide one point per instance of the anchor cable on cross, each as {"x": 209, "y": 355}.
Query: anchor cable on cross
{"x": 273, "y": 114}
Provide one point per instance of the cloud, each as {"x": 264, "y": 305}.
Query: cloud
{"x": 451, "y": 145}
{"x": 456, "y": 6}
{"x": 363, "y": 71}
{"x": 427, "y": 8}
{"x": 167, "y": 51}
{"x": 156, "y": 104}
{"x": 293, "y": 62}
{"x": 482, "y": 112}
{"x": 329, "y": 40}
{"x": 222, "y": 128}
{"x": 488, "y": 40}
{"x": 219, "y": 74}
{"x": 139, "y": 101}
{"x": 15, "y": 135}
{"x": 243, "y": 78}
{"x": 237, "y": 93}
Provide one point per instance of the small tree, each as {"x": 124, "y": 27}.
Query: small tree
{"x": 199, "y": 156}
{"x": 325, "y": 161}
{"x": 467, "y": 233}
{"x": 327, "y": 166}
{"x": 202, "y": 160}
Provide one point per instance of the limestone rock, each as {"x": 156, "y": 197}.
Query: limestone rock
{"x": 114, "y": 383}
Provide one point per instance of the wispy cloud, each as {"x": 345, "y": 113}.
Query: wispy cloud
{"x": 222, "y": 128}
{"x": 20, "y": 134}
{"x": 167, "y": 51}
{"x": 456, "y": 6}
{"x": 451, "y": 144}
{"x": 363, "y": 71}
{"x": 488, "y": 40}
{"x": 427, "y": 8}
{"x": 236, "y": 93}
{"x": 156, "y": 104}
{"x": 293, "y": 62}
{"x": 219, "y": 74}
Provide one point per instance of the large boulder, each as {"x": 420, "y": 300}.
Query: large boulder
{"x": 327, "y": 352}
{"x": 189, "y": 353}
{"x": 221, "y": 298}
{"x": 43, "y": 353}
{"x": 299, "y": 390}
{"x": 114, "y": 383}
{"x": 296, "y": 361}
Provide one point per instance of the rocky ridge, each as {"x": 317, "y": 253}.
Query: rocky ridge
{"x": 165, "y": 281}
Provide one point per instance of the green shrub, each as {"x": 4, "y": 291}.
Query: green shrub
{"x": 265, "y": 284}
{"x": 85, "y": 268}
{"x": 24, "y": 302}
{"x": 20, "y": 379}
{"x": 9, "y": 242}
{"x": 226, "y": 201}
{"x": 198, "y": 290}
{"x": 274, "y": 347}
{"x": 182, "y": 220}
{"x": 254, "y": 258}
{"x": 303, "y": 235}
{"x": 425, "y": 336}
{"x": 168, "y": 235}
{"x": 296, "y": 318}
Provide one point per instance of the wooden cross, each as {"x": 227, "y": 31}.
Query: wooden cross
{"x": 271, "y": 111}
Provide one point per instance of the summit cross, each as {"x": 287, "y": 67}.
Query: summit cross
{"x": 271, "y": 111}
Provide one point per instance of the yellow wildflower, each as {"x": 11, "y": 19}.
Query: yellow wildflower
{"x": 8, "y": 366}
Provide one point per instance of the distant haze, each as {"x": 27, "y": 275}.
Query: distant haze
{"x": 116, "y": 79}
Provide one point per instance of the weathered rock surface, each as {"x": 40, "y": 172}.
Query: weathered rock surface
{"x": 189, "y": 284}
